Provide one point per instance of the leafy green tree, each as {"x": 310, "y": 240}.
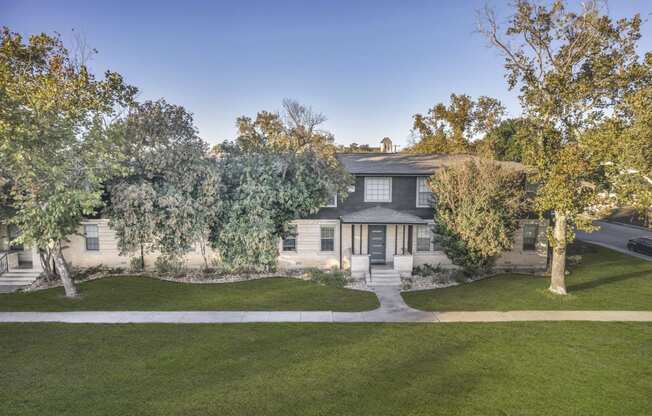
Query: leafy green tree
{"x": 452, "y": 128}
{"x": 131, "y": 215}
{"x": 168, "y": 194}
{"x": 572, "y": 69}
{"x": 477, "y": 208}
{"x": 264, "y": 191}
{"x": 504, "y": 141}
{"x": 281, "y": 167}
{"x": 53, "y": 139}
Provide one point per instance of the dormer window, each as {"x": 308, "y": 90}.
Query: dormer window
{"x": 377, "y": 189}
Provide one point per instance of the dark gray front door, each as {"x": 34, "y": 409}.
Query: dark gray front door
{"x": 377, "y": 243}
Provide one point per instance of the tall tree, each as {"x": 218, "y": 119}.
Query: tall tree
{"x": 53, "y": 139}
{"x": 278, "y": 169}
{"x": 477, "y": 209}
{"x": 452, "y": 128}
{"x": 168, "y": 192}
{"x": 504, "y": 141}
{"x": 571, "y": 68}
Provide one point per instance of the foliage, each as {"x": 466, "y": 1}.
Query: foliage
{"x": 452, "y": 128}
{"x": 53, "y": 138}
{"x": 263, "y": 193}
{"x": 333, "y": 278}
{"x": 573, "y": 69}
{"x": 275, "y": 172}
{"x": 170, "y": 265}
{"x": 477, "y": 207}
{"x": 356, "y": 148}
{"x": 505, "y": 141}
{"x": 167, "y": 197}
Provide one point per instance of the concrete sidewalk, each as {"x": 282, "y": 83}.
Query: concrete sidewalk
{"x": 392, "y": 309}
{"x": 378, "y": 315}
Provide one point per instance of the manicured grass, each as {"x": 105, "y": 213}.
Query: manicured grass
{"x": 568, "y": 368}
{"x": 605, "y": 279}
{"x": 146, "y": 294}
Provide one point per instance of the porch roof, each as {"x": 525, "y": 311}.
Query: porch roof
{"x": 380, "y": 215}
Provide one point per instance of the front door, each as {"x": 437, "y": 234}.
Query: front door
{"x": 377, "y": 243}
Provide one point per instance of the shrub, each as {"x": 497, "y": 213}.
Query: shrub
{"x": 136, "y": 264}
{"x": 170, "y": 265}
{"x": 476, "y": 212}
{"x": 333, "y": 277}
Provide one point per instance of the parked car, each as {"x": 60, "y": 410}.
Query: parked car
{"x": 641, "y": 245}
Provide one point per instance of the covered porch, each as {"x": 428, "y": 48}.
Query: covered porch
{"x": 19, "y": 265}
{"x": 381, "y": 240}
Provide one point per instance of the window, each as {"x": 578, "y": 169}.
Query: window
{"x": 290, "y": 240}
{"x": 530, "y": 232}
{"x": 92, "y": 237}
{"x": 424, "y": 196}
{"x": 425, "y": 240}
{"x": 327, "y": 238}
{"x": 332, "y": 202}
{"x": 377, "y": 189}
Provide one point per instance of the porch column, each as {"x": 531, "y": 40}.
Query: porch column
{"x": 36, "y": 260}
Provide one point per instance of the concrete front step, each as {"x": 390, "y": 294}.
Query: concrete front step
{"x": 18, "y": 277}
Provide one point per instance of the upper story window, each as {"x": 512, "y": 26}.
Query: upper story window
{"x": 377, "y": 189}
{"x": 530, "y": 232}
{"x": 332, "y": 202}
{"x": 290, "y": 240}
{"x": 424, "y": 195}
{"x": 92, "y": 237}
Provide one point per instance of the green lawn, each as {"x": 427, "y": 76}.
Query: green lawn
{"x": 604, "y": 280}
{"x": 519, "y": 369}
{"x": 146, "y": 294}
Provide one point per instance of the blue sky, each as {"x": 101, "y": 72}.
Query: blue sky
{"x": 367, "y": 65}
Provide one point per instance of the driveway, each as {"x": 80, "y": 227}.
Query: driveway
{"x": 615, "y": 236}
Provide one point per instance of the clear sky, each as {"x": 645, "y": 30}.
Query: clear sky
{"x": 367, "y": 65}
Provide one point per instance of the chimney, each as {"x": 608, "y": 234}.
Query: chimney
{"x": 386, "y": 145}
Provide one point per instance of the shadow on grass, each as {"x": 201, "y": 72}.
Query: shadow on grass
{"x": 592, "y": 284}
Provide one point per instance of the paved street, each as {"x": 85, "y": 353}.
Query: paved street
{"x": 615, "y": 237}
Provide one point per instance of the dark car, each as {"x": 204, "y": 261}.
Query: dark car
{"x": 641, "y": 245}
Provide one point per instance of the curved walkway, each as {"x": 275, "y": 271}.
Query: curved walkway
{"x": 392, "y": 309}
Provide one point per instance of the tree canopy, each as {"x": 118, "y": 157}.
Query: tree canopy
{"x": 53, "y": 140}
{"x": 167, "y": 197}
{"x": 572, "y": 68}
{"x": 477, "y": 205}
{"x": 452, "y": 128}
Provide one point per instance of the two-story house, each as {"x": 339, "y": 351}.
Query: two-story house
{"x": 383, "y": 226}
{"x": 385, "y": 222}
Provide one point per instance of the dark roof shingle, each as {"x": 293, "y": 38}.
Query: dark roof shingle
{"x": 404, "y": 163}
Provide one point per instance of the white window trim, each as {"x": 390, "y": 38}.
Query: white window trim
{"x": 334, "y": 238}
{"x": 431, "y": 246}
{"x": 296, "y": 241}
{"x": 332, "y": 205}
{"x": 417, "y": 196}
{"x": 99, "y": 247}
{"x": 378, "y": 177}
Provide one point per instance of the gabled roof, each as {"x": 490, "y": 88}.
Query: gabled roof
{"x": 380, "y": 215}
{"x": 404, "y": 163}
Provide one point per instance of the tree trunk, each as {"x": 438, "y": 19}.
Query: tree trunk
{"x": 558, "y": 274}
{"x": 142, "y": 258}
{"x": 64, "y": 273}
